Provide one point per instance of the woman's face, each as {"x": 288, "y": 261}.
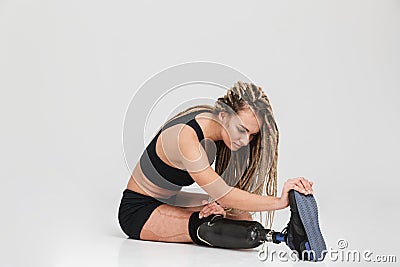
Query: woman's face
{"x": 239, "y": 129}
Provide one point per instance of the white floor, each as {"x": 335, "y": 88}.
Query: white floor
{"x": 71, "y": 233}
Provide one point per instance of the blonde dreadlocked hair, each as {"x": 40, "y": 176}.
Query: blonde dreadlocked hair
{"x": 259, "y": 169}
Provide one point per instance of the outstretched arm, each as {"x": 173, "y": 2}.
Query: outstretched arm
{"x": 195, "y": 160}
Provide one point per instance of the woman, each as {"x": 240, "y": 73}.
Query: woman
{"x": 242, "y": 131}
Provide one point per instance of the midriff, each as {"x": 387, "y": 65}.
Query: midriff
{"x": 140, "y": 184}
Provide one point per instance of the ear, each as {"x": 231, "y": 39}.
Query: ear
{"x": 222, "y": 115}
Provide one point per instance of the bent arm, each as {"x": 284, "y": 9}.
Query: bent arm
{"x": 195, "y": 160}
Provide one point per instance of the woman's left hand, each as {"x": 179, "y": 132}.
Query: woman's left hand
{"x": 211, "y": 208}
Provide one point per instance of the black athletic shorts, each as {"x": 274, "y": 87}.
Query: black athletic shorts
{"x": 134, "y": 210}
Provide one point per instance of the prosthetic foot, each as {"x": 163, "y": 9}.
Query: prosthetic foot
{"x": 302, "y": 233}
{"x": 221, "y": 232}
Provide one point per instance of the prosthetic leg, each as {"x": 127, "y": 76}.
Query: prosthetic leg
{"x": 302, "y": 233}
{"x": 217, "y": 231}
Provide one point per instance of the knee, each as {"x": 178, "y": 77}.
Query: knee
{"x": 193, "y": 225}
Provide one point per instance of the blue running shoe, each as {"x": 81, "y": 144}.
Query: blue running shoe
{"x": 302, "y": 233}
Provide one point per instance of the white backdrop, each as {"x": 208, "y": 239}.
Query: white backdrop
{"x": 68, "y": 70}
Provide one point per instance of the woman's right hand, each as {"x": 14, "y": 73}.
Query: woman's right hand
{"x": 299, "y": 184}
{"x": 211, "y": 208}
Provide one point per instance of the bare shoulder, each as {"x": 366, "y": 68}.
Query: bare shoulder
{"x": 188, "y": 134}
{"x": 194, "y": 157}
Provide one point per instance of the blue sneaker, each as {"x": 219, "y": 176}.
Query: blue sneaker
{"x": 302, "y": 233}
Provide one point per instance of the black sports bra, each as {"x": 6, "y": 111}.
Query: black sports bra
{"x": 160, "y": 173}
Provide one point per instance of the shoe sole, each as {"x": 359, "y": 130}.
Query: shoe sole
{"x": 308, "y": 211}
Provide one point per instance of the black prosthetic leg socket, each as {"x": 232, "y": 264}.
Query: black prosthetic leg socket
{"x": 233, "y": 234}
